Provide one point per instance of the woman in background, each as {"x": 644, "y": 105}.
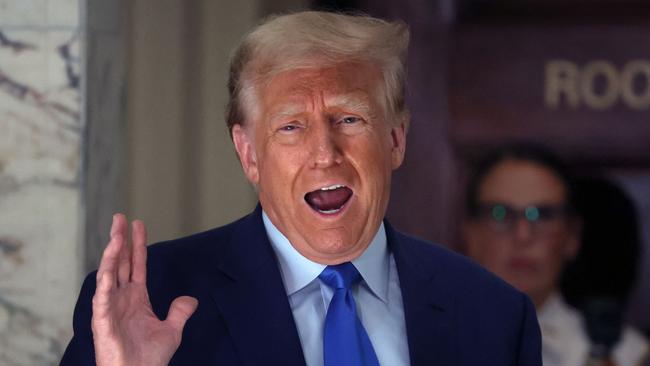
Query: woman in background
{"x": 522, "y": 224}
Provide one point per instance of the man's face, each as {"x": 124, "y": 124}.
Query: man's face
{"x": 527, "y": 249}
{"x": 321, "y": 150}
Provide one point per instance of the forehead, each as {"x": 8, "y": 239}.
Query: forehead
{"x": 350, "y": 83}
{"x": 521, "y": 183}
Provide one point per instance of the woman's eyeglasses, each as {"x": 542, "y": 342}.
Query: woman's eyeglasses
{"x": 504, "y": 218}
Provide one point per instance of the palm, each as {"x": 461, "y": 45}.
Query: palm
{"x": 125, "y": 329}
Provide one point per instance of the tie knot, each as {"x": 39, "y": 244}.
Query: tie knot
{"x": 340, "y": 276}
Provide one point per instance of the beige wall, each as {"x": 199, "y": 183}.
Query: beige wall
{"x": 182, "y": 172}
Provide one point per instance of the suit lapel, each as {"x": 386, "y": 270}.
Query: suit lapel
{"x": 256, "y": 310}
{"x": 428, "y": 307}
{"x": 254, "y": 304}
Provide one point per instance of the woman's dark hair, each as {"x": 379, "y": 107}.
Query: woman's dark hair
{"x": 521, "y": 151}
{"x": 607, "y": 263}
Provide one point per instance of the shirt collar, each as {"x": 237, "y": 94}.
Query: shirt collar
{"x": 298, "y": 271}
{"x": 548, "y": 313}
{"x": 373, "y": 264}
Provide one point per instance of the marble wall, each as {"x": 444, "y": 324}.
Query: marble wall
{"x": 41, "y": 212}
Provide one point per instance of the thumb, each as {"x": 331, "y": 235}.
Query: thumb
{"x": 180, "y": 310}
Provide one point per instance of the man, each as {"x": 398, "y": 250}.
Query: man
{"x": 523, "y": 226}
{"x": 314, "y": 275}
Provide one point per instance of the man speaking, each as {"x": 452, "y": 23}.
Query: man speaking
{"x": 315, "y": 275}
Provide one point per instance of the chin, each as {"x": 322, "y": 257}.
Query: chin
{"x": 331, "y": 245}
{"x": 336, "y": 248}
{"x": 525, "y": 286}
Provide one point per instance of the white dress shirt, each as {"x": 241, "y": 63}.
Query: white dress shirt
{"x": 565, "y": 341}
{"x": 378, "y": 298}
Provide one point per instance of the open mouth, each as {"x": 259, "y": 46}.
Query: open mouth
{"x": 329, "y": 200}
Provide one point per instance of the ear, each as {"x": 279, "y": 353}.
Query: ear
{"x": 246, "y": 152}
{"x": 398, "y": 141}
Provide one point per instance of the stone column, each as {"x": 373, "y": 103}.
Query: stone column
{"x": 41, "y": 213}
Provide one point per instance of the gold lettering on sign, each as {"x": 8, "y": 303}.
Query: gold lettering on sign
{"x": 597, "y": 84}
{"x": 633, "y": 70}
{"x": 607, "y": 97}
{"x": 561, "y": 81}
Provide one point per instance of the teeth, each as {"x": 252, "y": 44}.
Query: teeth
{"x": 329, "y": 212}
{"x": 333, "y": 187}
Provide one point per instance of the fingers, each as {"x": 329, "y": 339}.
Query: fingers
{"x": 180, "y": 310}
{"x": 124, "y": 262}
{"x": 101, "y": 299}
{"x": 118, "y": 224}
{"x": 109, "y": 262}
{"x": 139, "y": 259}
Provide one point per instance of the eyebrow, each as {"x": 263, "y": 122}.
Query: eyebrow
{"x": 286, "y": 110}
{"x": 351, "y": 103}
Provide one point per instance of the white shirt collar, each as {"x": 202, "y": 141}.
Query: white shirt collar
{"x": 298, "y": 271}
{"x": 554, "y": 305}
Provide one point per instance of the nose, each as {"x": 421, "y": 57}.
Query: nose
{"x": 523, "y": 230}
{"x": 325, "y": 144}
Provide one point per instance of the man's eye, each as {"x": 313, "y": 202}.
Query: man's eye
{"x": 288, "y": 128}
{"x": 350, "y": 120}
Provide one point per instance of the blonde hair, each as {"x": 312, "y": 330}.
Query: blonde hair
{"x": 314, "y": 39}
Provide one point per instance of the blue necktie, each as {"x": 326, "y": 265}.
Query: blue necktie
{"x": 345, "y": 342}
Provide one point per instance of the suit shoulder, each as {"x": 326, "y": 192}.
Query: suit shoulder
{"x": 457, "y": 271}
{"x": 196, "y": 246}
{"x": 489, "y": 315}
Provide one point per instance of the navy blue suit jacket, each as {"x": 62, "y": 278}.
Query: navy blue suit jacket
{"x": 456, "y": 312}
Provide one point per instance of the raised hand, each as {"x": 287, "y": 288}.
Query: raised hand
{"x": 125, "y": 329}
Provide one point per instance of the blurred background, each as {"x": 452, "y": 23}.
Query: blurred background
{"x": 110, "y": 106}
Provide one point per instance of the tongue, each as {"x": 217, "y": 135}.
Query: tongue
{"x": 328, "y": 200}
